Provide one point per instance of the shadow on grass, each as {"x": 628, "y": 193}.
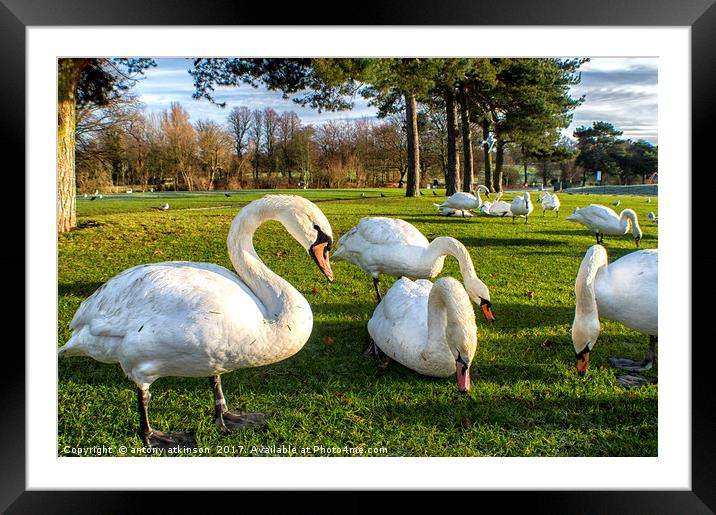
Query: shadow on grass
{"x": 81, "y": 289}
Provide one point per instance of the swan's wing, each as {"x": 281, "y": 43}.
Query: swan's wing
{"x": 169, "y": 300}
{"x": 400, "y": 320}
{"x": 461, "y": 200}
{"x": 387, "y": 231}
{"x": 627, "y": 291}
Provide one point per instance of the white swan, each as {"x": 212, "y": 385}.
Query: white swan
{"x": 496, "y": 208}
{"x": 550, "y": 202}
{"x": 429, "y": 328}
{"x": 604, "y": 220}
{"x": 462, "y": 201}
{"x": 521, "y": 206}
{"x": 448, "y": 211}
{"x": 191, "y": 319}
{"x": 394, "y": 247}
{"x": 625, "y": 291}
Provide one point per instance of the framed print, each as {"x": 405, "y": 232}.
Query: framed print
{"x": 678, "y": 479}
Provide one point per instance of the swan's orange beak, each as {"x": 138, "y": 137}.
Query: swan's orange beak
{"x": 463, "y": 378}
{"x": 487, "y": 311}
{"x": 582, "y": 364}
{"x": 319, "y": 252}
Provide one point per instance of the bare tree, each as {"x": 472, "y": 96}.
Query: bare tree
{"x": 239, "y": 124}
{"x": 180, "y": 139}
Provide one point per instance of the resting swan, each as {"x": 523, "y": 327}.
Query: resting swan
{"x": 191, "y": 319}
{"x": 394, "y": 247}
{"x": 550, "y": 202}
{"x": 604, "y": 220}
{"x": 429, "y": 328}
{"x": 521, "y": 206}
{"x": 625, "y": 291}
{"x": 496, "y": 208}
{"x": 448, "y": 211}
{"x": 462, "y": 201}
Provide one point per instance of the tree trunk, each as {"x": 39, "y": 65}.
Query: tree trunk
{"x": 68, "y": 74}
{"x": 467, "y": 173}
{"x": 499, "y": 159}
{"x": 486, "y": 151}
{"x": 453, "y": 160}
{"x": 411, "y": 114}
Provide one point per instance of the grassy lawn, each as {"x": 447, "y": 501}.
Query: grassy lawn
{"x": 526, "y": 397}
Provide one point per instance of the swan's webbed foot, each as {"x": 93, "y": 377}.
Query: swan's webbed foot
{"x": 232, "y": 420}
{"x": 632, "y": 381}
{"x": 374, "y": 351}
{"x": 630, "y": 364}
{"x": 167, "y": 441}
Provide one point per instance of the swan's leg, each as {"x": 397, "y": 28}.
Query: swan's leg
{"x": 637, "y": 366}
{"x": 231, "y": 420}
{"x": 374, "y": 351}
{"x": 158, "y": 439}
{"x": 513, "y": 219}
{"x": 377, "y": 290}
{"x": 526, "y": 218}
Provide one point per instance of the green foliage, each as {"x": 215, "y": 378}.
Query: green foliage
{"x": 526, "y": 400}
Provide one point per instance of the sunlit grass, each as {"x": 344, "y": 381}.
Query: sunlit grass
{"x": 526, "y": 399}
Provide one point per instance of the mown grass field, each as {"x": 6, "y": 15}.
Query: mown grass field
{"x": 526, "y": 397}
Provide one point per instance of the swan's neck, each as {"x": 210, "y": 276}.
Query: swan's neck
{"x": 628, "y": 219}
{"x": 281, "y": 302}
{"x": 585, "y": 328}
{"x": 451, "y": 320}
{"x": 447, "y": 246}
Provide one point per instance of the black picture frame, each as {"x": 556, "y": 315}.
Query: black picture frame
{"x": 699, "y": 15}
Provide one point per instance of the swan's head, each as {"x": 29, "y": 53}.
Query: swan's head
{"x": 480, "y": 295}
{"x": 310, "y": 227}
{"x": 636, "y": 232}
{"x": 585, "y": 331}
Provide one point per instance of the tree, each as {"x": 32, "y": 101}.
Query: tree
{"x": 239, "y": 124}
{"x": 212, "y": 146}
{"x": 180, "y": 141}
{"x": 597, "y": 146}
{"x": 81, "y": 82}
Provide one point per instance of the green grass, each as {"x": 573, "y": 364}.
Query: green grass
{"x": 526, "y": 398}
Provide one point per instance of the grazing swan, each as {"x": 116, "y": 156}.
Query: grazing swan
{"x": 462, "y": 201}
{"x": 448, "y": 211}
{"x": 604, "y": 220}
{"x": 550, "y": 202}
{"x": 521, "y": 206}
{"x": 625, "y": 291}
{"x": 189, "y": 319}
{"x": 496, "y": 208}
{"x": 429, "y": 328}
{"x": 394, "y": 247}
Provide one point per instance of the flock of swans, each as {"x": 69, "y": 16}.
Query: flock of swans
{"x": 192, "y": 319}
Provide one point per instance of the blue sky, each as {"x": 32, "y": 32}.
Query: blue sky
{"x": 622, "y": 91}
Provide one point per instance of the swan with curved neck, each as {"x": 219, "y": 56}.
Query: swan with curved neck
{"x": 521, "y": 206}
{"x": 604, "y": 220}
{"x": 462, "y": 201}
{"x": 497, "y": 208}
{"x": 625, "y": 291}
{"x": 550, "y": 202}
{"x": 394, "y": 247}
{"x": 190, "y": 319}
{"x": 429, "y": 328}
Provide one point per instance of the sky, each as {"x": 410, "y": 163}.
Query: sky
{"x": 622, "y": 91}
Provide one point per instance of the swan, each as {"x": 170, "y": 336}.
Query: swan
{"x": 521, "y": 206}
{"x": 190, "y": 319}
{"x": 448, "y": 211}
{"x": 394, "y": 247}
{"x": 550, "y": 202}
{"x": 496, "y": 208}
{"x": 462, "y": 201}
{"x": 625, "y": 291}
{"x": 429, "y": 328}
{"x": 604, "y": 220}
{"x": 653, "y": 217}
